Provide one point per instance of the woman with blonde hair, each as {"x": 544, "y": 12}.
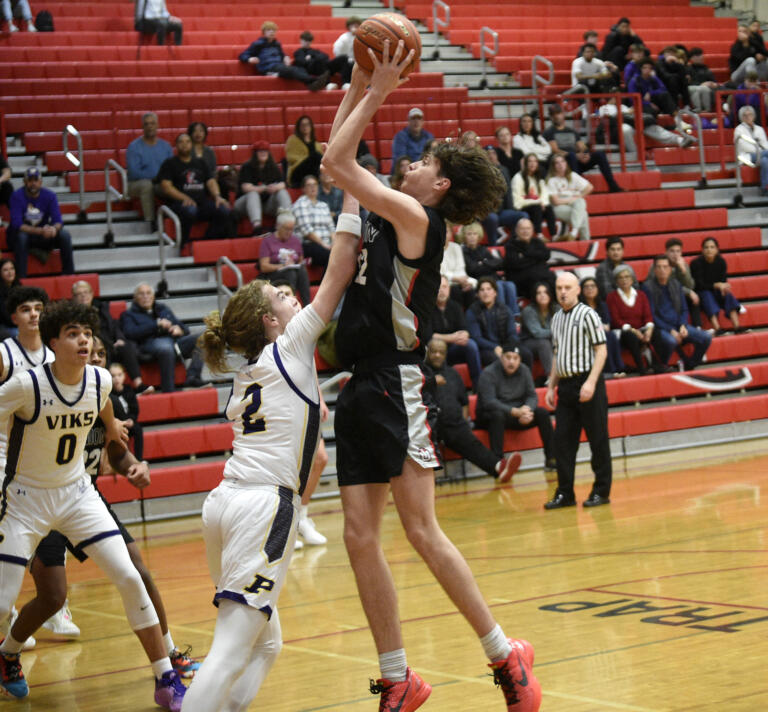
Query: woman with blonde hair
{"x": 250, "y": 519}
{"x": 567, "y": 194}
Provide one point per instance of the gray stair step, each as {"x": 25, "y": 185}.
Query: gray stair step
{"x": 187, "y": 279}
{"x": 127, "y": 258}
{"x": 191, "y": 309}
{"x": 122, "y": 228}
{"x": 748, "y": 217}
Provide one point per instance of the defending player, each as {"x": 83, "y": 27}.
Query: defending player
{"x": 382, "y": 418}
{"x": 250, "y": 519}
{"x": 47, "y": 565}
{"x": 53, "y": 408}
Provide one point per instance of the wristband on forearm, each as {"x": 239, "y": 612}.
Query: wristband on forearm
{"x": 349, "y": 223}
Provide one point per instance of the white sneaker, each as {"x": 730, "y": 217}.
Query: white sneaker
{"x": 61, "y": 623}
{"x": 7, "y": 624}
{"x": 12, "y": 27}
{"x": 345, "y": 86}
{"x": 331, "y": 86}
{"x": 309, "y": 533}
{"x": 298, "y": 544}
{"x": 31, "y": 26}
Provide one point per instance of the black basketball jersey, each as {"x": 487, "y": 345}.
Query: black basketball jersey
{"x": 94, "y": 445}
{"x": 388, "y": 306}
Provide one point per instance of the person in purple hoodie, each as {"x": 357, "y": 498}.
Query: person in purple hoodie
{"x": 36, "y": 224}
{"x": 655, "y": 96}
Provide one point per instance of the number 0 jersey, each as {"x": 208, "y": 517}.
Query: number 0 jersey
{"x": 275, "y": 409}
{"x": 49, "y": 424}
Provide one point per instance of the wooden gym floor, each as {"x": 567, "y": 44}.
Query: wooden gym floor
{"x": 655, "y": 603}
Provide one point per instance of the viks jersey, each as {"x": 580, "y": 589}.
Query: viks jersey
{"x": 50, "y": 423}
{"x": 275, "y": 409}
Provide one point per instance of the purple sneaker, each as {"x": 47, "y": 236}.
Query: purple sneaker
{"x": 170, "y": 691}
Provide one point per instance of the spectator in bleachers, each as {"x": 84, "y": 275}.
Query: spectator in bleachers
{"x": 631, "y": 317}
{"x": 746, "y": 56}
{"x": 454, "y": 269}
{"x": 260, "y": 188}
{"x": 448, "y": 323}
{"x": 314, "y": 224}
{"x": 637, "y": 53}
{"x": 267, "y": 56}
{"x": 143, "y": 159}
{"x": 330, "y": 194}
{"x": 530, "y": 194}
{"x": 701, "y": 81}
{"x": 506, "y": 399}
{"x": 482, "y": 262}
{"x": 36, "y": 225}
{"x": 537, "y": 325}
{"x": 400, "y": 165}
{"x": 370, "y": 164}
{"x": 191, "y": 191}
{"x": 655, "y": 96}
{"x": 8, "y": 280}
{"x": 126, "y": 407}
{"x": 604, "y": 274}
{"x": 567, "y": 193}
{"x": 618, "y": 42}
{"x": 509, "y": 156}
{"x": 590, "y": 75}
{"x": 413, "y": 139}
{"x": 589, "y": 37}
{"x": 281, "y": 256}
{"x": 162, "y": 337}
{"x": 528, "y": 140}
{"x": 752, "y": 144}
{"x": 737, "y": 101}
{"x": 651, "y": 128}
{"x": 6, "y": 187}
{"x": 525, "y": 260}
{"x": 317, "y": 62}
{"x": 492, "y": 324}
{"x": 505, "y": 215}
{"x": 710, "y": 271}
{"x": 581, "y": 156}
{"x": 590, "y": 295}
{"x": 453, "y": 428}
{"x": 303, "y": 152}
{"x": 118, "y": 346}
{"x": 671, "y": 71}
{"x": 670, "y": 315}
{"x": 344, "y": 44}
{"x": 673, "y": 249}
{"x": 152, "y": 18}
{"x": 19, "y": 9}
{"x": 198, "y": 132}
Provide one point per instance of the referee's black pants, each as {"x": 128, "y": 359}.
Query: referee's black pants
{"x": 570, "y": 417}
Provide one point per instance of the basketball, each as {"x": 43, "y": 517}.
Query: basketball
{"x": 386, "y": 26}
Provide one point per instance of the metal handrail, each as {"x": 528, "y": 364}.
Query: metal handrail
{"x": 697, "y": 122}
{"x": 485, "y": 50}
{"x": 110, "y": 193}
{"x": 164, "y": 240}
{"x": 222, "y": 290}
{"x": 439, "y": 22}
{"x": 539, "y": 79}
{"x": 77, "y": 162}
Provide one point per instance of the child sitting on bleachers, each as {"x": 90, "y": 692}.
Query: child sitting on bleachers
{"x": 126, "y": 406}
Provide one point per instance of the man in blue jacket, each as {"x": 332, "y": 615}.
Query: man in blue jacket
{"x": 160, "y": 335}
{"x": 411, "y": 140}
{"x": 36, "y": 224}
{"x": 267, "y": 55}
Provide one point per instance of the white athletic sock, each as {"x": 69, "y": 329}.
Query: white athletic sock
{"x": 496, "y": 645}
{"x": 10, "y": 645}
{"x": 169, "y": 645}
{"x": 393, "y": 665}
{"x": 303, "y": 511}
{"x": 159, "y": 667}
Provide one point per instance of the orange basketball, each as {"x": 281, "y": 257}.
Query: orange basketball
{"x": 386, "y": 26}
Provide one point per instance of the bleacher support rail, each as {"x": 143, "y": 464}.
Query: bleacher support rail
{"x": 697, "y": 121}
{"x": 164, "y": 240}
{"x": 438, "y": 22}
{"x": 76, "y": 161}
{"x": 485, "y": 50}
{"x": 223, "y": 292}
{"x": 110, "y": 193}
{"x": 537, "y": 79}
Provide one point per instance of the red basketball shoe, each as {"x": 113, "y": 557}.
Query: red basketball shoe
{"x": 403, "y": 696}
{"x": 515, "y": 677}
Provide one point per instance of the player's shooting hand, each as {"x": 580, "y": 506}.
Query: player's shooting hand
{"x": 386, "y": 73}
{"x": 138, "y": 474}
{"x": 360, "y": 77}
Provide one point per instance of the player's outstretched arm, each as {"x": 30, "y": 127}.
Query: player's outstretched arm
{"x": 124, "y": 462}
{"x": 342, "y": 262}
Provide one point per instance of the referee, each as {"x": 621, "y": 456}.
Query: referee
{"x": 579, "y": 344}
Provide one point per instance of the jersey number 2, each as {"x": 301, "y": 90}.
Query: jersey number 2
{"x": 252, "y": 421}
{"x": 362, "y": 261}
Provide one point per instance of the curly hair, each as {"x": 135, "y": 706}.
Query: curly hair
{"x": 21, "y": 294}
{"x": 240, "y": 329}
{"x": 64, "y": 312}
{"x": 477, "y": 186}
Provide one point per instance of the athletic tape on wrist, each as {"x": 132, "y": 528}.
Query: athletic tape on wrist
{"x": 349, "y": 223}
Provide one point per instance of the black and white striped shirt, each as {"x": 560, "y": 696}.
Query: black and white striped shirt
{"x": 574, "y": 334}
